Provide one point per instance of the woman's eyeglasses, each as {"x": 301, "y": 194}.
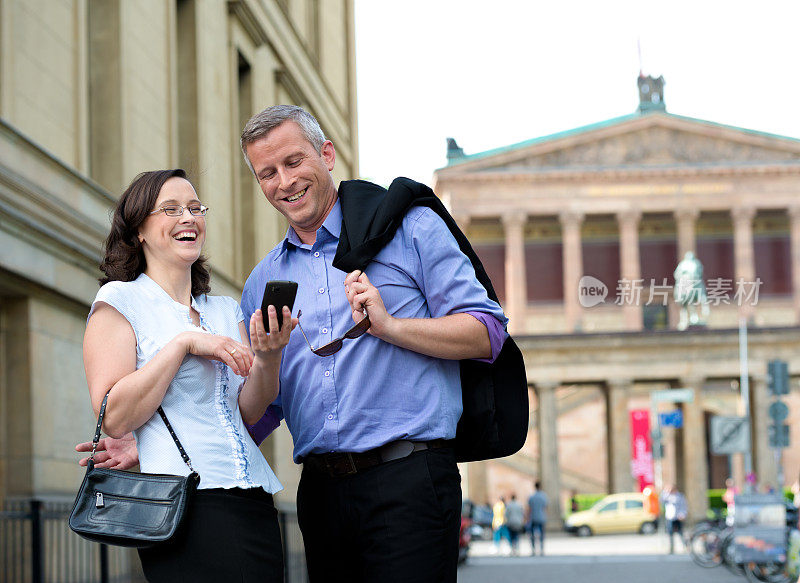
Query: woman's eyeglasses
{"x": 176, "y": 210}
{"x": 336, "y": 345}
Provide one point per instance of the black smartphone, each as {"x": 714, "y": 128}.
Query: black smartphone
{"x": 278, "y": 294}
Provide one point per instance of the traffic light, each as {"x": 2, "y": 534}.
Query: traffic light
{"x": 778, "y": 377}
{"x": 779, "y": 436}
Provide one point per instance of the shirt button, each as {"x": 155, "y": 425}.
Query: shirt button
{"x": 316, "y": 254}
{"x": 330, "y": 416}
{"x": 327, "y": 373}
{"x": 324, "y": 330}
{"x": 321, "y": 290}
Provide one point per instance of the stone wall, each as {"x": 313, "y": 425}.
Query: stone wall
{"x": 92, "y": 92}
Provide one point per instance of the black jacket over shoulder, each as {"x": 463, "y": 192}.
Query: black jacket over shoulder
{"x": 494, "y": 422}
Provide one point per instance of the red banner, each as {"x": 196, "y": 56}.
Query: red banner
{"x": 641, "y": 449}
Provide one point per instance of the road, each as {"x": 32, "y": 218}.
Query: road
{"x": 597, "y": 559}
{"x": 614, "y": 569}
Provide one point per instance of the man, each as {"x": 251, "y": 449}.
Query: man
{"x": 515, "y": 522}
{"x": 675, "y": 511}
{"x": 379, "y": 497}
{"x": 537, "y": 516}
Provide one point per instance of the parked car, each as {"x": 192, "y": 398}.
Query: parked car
{"x": 615, "y": 513}
{"x": 480, "y": 520}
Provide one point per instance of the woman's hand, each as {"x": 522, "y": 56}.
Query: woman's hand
{"x": 268, "y": 346}
{"x": 222, "y": 348}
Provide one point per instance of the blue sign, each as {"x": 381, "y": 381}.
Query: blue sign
{"x": 671, "y": 419}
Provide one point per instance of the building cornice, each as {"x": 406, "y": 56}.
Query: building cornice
{"x": 617, "y": 173}
{"x": 650, "y": 356}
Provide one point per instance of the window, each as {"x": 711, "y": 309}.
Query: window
{"x": 610, "y": 507}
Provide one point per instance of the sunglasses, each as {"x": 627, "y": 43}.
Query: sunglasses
{"x": 336, "y": 345}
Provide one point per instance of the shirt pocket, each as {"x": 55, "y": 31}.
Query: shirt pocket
{"x": 400, "y": 293}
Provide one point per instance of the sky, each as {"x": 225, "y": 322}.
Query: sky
{"x": 491, "y": 73}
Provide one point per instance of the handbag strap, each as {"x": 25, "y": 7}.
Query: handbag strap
{"x": 96, "y": 439}
{"x": 185, "y": 457}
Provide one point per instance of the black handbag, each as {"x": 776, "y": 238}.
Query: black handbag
{"x": 131, "y": 509}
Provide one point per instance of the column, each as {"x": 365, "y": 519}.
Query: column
{"x": 744, "y": 256}
{"x": 271, "y": 224}
{"x": 685, "y": 222}
{"x": 794, "y": 218}
{"x": 549, "y": 471}
{"x": 463, "y": 221}
{"x": 18, "y": 451}
{"x": 108, "y": 147}
{"x": 685, "y": 227}
{"x": 618, "y": 426}
{"x": 572, "y": 257}
{"x": 475, "y": 476}
{"x": 695, "y": 459}
{"x": 629, "y": 263}
{"x": 764, "y": 462}
{"x": 516, "y": 293}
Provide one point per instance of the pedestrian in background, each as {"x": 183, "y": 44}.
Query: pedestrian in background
{"x": 537, "y": 516}
{"x": 515, "y": 523}
{"x": 796, "y": 493}
{"x": 573, "y": 502}
{"x": 675, "y": 511}
{"x": 729, "y": 498}
{"x": 499, "y": 523}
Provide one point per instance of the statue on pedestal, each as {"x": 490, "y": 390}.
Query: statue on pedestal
{"x": 690, "y": 292}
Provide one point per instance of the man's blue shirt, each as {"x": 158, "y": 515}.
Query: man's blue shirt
{"x": 370, "y": 392}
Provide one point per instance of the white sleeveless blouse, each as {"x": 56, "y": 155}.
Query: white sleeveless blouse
{"x": 201, "y": 402}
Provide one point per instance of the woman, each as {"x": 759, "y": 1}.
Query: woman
{"x": 154, "y": 337}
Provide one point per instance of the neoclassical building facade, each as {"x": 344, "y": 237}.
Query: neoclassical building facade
{"x": 615, "y": 206}
{"x": 92, "y": 92}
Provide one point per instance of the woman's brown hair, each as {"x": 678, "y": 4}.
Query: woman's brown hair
{"x": 124, "y": 258}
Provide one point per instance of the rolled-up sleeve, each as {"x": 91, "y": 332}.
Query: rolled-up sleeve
{"x": 497, "y": 334}
{"x": 266, "y": 425}
{"x": 447, "y": 278}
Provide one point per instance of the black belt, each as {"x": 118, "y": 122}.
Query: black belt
{"x": 344, "y": 463}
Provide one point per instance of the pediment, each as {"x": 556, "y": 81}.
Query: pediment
{"x": 647, "y": 141}
{"x": 656, "y": 146}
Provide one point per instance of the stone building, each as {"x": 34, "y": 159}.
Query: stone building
{"x": 92, "y": 92}
{"x": 623, "y": 201}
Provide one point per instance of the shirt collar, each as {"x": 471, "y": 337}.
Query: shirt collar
{"x": 332, "y": 225}
{"x": 197, "y": 303}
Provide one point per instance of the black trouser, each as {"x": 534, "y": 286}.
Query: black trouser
{"x": 230, "y": 535}
{"x": 397, "y": 521}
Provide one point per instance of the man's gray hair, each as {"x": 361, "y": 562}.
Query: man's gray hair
{"x": 261, "y": 124}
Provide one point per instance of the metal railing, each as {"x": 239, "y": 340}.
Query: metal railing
{"x": 37, "y": 546}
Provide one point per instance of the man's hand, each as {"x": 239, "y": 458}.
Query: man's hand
{"x": 363, "y": 295}
{"x": 451, "y": 337}
{"x": 269, "y": 343}
{"x": 119, "y": 454}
